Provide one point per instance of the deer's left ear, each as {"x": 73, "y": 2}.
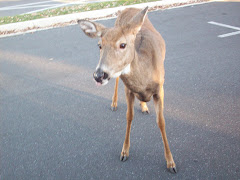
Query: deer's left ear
{"x": 91, "y": 29}
{"x": 137, "y": 21}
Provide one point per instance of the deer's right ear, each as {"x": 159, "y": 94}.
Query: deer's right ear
{"x": 91, "y": 29}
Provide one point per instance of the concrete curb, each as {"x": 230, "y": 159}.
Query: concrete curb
{"x": 63, "y": 20}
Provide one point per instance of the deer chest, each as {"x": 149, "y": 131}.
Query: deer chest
{"x": 145, "y": 97}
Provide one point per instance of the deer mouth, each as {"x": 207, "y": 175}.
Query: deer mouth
{"x": 101, "y": 77}
{"x": 103, "y": 82}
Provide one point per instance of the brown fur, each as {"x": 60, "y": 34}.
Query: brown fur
{"x": 143, "y": 104}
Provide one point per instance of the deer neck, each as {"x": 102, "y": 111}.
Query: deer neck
{"x": 132, "y": 71}
{"x": 130, "y": 68}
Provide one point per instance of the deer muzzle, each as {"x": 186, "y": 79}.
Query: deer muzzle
{"x": 100, "y": 76}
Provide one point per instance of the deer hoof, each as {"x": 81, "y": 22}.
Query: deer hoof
{"x": 114, "y": 108}
{"x": 123, "y": 158}
{"x": 173, "y": 170}
{"x": 146, "y": 112}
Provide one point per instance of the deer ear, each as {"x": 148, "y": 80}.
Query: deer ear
{"x": 137, "y": 21}
{"x": 91, "y": 29}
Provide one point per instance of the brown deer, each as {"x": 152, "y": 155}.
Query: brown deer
{"x": 134, "y": 51}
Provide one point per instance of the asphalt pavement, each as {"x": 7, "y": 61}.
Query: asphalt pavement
{"x": 56, "y": 124}
{"x": 19, "y": 7}
{"x": 12, "y": 8}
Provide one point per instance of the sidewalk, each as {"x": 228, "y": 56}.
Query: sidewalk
{"x": 64, "y": 20}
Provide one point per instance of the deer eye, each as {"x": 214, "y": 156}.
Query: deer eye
{"x": 123, "y": 45}
{"x": 100, "y": 46}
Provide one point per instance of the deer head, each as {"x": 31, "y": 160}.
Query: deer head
{"x": 116, "y": 44}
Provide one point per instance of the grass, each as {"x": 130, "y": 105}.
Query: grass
{"x": 69, "y": 10}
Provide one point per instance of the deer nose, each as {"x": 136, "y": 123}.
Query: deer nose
{"x": 99, "y": 75}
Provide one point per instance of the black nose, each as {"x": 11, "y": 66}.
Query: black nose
{"x": 99, "y": 75}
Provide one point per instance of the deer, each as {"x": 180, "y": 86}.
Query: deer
{"x": 134, "y": 51}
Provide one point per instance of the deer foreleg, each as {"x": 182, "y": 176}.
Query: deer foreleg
{"x": 115, "y": 96}
{"x": 158, "y": 102}
{"x": 130, "y": 113}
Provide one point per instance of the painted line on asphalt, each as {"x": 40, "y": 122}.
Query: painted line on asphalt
{"x": 226, "y": 26}
{"x": 65, "y": 4}
{"x": 229, "y": 34}
{"x": 27, "y": 7}
{"x": 29, "y": 4}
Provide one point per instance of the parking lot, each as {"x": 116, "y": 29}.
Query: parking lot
{"x": 12, "y": 8}
{"x": 56, "y": 124}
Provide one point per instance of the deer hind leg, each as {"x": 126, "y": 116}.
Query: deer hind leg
{"x": 158, "y": 102}
{"x": 115, "y": 96}
{"x": 144, "y": 107}
{"x": 129, "y": 115}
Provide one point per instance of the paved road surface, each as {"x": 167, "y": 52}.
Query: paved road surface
{"x": 56, "y": 124}
{"x": 11, "y": 8}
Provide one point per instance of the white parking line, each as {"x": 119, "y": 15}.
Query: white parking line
{"x": 28, "y": 4}
{"x": 66, "y": 4}
{"x": 47, "y": 4}
{"x": 226, "y": 26}
{"x": 229, "y": 34}
{"x": 26, "y": 7}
